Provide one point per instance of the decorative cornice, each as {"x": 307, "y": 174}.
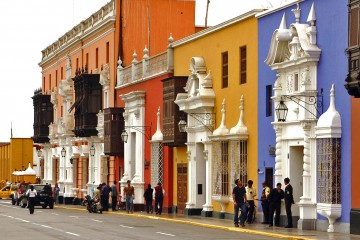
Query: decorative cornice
{"x": 218, "y": 27}
{"x": 278, "y": 8}
{"x": 100, "y": 19}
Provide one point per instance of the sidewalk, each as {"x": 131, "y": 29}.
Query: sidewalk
{"x": 227, "y": 224}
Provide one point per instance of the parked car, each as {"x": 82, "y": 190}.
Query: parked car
{"x": 7, "y": 191}
{"x": 44, "y": 196}
{"x": 21, "y": 190}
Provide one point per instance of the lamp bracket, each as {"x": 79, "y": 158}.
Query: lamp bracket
{"x": 313, "y": 100}
{"x": 145, "y": 130}
{"x": 206, "y": 119}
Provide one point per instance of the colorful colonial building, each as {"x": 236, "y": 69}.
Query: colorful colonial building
{"x": 220, "y": 115}
{"x": 78, "y": 114}
{"x": 304, "y": 112}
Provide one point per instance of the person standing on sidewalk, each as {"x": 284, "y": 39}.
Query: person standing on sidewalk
{"x": 250, "y": 196}
{"x": 275, "y": 205}
{"x": 114, "y": 196}
{"x": 159, "y": 198}
{"x": 265, "y": 203}
{"x": 56, "y": 193}
{"x": 289, "y": 199}
{"x": 129, "y": 195}
{"x": 148, "y": 195}
{"x": 239, "y": 199}
{"x": 31, "y": 194}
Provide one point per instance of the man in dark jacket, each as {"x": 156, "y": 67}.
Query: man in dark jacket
{"x": 275, "y": 197}
{"x": 105, "y": 190}
{"x": 289, "y": 199}
{"x": 148, "y": 195}
{"x": 159, "y": 198}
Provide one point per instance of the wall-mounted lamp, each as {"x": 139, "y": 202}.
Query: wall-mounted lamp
{"x": 92, "y": 150}
{"x": 63, "y": 152}
{"x": 39, "y": 153}
{"x": 260, "y": 172}
{"x": 206, "y": 119}
{"x": 316, "y": 101}
{"x": 272, "y": 151}
{"x": 281, "y": 111}
{"x": 145, "y": 130}
{"x": 71, "y": 160}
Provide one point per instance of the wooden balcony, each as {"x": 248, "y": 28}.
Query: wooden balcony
{"x": 113, "y": 127}
{"x": 43, "y": 116}
{"x": 172, "y": 115}
{"x": 88, "y": 103}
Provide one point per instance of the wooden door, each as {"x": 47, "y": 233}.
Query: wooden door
{"x": 181, "y": 187}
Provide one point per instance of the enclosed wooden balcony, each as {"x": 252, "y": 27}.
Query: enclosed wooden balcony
{"x": 43, "y": 116}
{"x": 87, "y": 104}
{"x": 172, "y": 115}
{"x": 113, "y": 127}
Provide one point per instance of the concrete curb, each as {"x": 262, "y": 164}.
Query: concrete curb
{"x": 234, "y": 229}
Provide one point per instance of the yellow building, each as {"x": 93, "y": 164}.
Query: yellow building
{"x": 15, "y": 156}
{"x": 221, "y": 102}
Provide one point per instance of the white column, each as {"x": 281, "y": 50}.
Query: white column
{"x": 278, "y": 158}
{"x": 208, "y": 191}
{"x": 306, "y": 165}
{"x": 191, "y": 176}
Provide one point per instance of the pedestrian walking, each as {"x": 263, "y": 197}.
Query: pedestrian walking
{"x": 289, "y": 200}
{"x": 56, "y": 193}
{"x": 31, "y": 194}
{"x": 159, "y": 198}
{"x": 250, "y": 196}
{"x": 275, "y": 205}
{"x": 265, "y": 203}
{"x": 129, "y": 195}
{"x": 239, "y": 199}
{"x": 114, "y": 196}
{"x": 105, "y": 191}
{"x": 148, "y": 195}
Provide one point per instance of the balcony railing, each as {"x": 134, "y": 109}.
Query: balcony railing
{"x": 146, "y": 68}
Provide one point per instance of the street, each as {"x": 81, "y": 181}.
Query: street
{"x": 59, "y": 223}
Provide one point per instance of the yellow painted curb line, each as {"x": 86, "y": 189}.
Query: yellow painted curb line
{"x": 234, "y": 229}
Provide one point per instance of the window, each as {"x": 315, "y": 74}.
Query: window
{"x": 56, "y": 78}
{"x": 225, "y": 73}
{"x": 77, "y": 64}
{"x": 87, "y": 60}
{"x": 43, "y": 82}
{"x": 49, "y": 81}
{"x": 97, "y": 58}
{"x": 296, "y": 82}
{"x": 224, "y": 168}
{"x": 354, "y": 27}
{"x": 243, "y": 65}
{"x": 62, "y": 73}
{"x": 269, "y": 106}
{"x": 221, "y": 167}
{"x": 107, "y": 52}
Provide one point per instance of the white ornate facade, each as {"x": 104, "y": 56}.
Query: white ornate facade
{"x": 294, "y": 54}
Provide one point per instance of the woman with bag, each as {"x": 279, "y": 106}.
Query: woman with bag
{"x": 31, "y": 194}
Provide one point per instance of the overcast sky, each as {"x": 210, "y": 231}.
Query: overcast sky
{"x": 29, "y": 26}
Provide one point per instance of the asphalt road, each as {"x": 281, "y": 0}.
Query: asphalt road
{"x": 58, "y": 223}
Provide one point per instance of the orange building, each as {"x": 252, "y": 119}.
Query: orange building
{"x": 78, "y": 117}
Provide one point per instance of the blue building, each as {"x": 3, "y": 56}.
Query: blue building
{"x": 304, "y": 110}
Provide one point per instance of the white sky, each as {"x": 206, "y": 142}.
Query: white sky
{"x": 29, "y": 26}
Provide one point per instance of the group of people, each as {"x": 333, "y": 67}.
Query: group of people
{"x": 243, "y": 198}
{"x": 157, "y": 193}
{"x": 271, "y": 203}
{"x": 103, "y": 191}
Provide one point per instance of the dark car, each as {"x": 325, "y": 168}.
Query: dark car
{"x": 44, "y": 196}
